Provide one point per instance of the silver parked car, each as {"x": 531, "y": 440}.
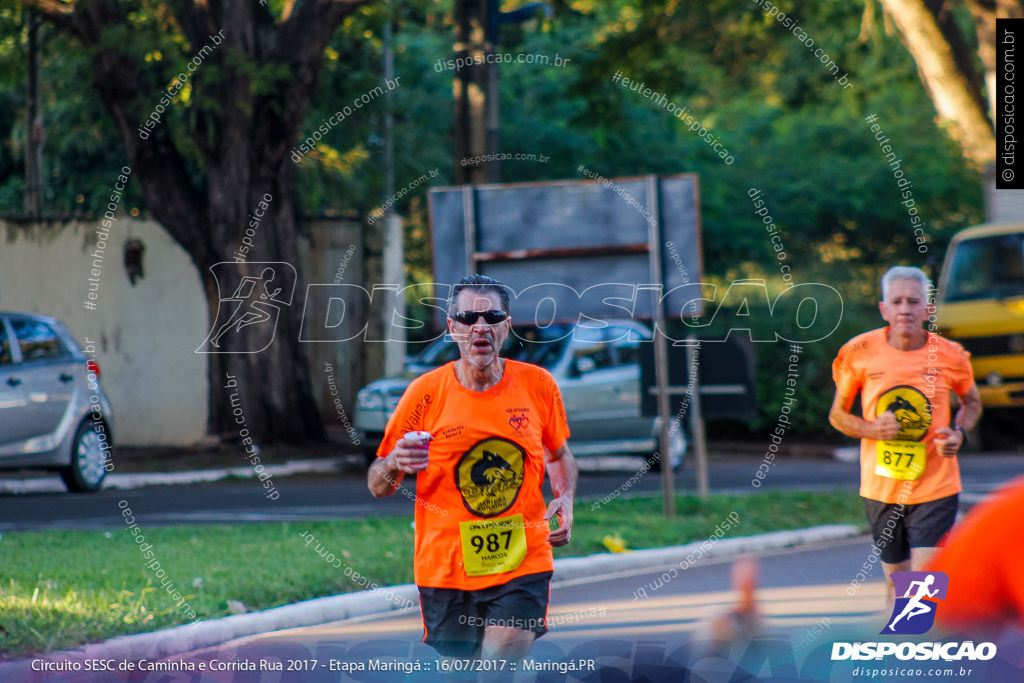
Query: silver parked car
{"x": 53, "y": 411}
{"x": 597, "y": 370}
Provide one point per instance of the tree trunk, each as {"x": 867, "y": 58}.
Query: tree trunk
{"x": 953, "y": 89}
{"x": 263, "y": 362}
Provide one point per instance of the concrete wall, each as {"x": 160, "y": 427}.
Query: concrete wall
{"x": 334, "y": 255}
{"x": 145, "y": 335}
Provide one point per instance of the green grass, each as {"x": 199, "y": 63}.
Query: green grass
{"x": 641, "y": 523}
{"x": 60, "y": 589}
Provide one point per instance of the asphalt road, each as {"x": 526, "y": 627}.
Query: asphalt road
{"x": 344, "y": 495}
{"x": 607, "y": 619}
{"x": 609, "y": 630}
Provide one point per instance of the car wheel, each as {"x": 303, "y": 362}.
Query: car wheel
{"x": 676, "y": 447}
{"x": 87, "y": 470}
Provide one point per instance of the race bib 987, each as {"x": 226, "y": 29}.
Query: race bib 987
{"x": 493, "y": 546}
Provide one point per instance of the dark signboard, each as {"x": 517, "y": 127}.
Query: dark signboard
{"x": 566, "y": 248}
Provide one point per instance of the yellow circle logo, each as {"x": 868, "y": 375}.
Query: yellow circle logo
{"x": 911, "y": 408}
{"x": 489, "y": 476}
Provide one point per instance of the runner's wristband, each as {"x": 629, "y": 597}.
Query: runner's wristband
{"x": 964, "y": 433}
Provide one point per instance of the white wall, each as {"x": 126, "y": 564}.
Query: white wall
{"x": 145, "y": 334}
{"x": 1002, "y": 206}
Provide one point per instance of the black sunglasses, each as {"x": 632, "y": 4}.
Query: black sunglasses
{"x": 490, "y": 317}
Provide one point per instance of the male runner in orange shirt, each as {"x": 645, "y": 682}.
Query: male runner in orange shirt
{"x": 910, "y": 478}
{"x": 483, "y": 558}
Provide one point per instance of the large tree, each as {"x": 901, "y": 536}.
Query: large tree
{"x": 930, "y": 30}
{"x": 222, "y": 146}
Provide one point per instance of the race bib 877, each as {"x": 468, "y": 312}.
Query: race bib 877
{"x": 900, "y": 459}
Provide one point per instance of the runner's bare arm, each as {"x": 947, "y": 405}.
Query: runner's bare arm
{"x": 885, "y": 427}
{"x": 949, "y": 441}
{"x": 970, "y": 409}
{"x": 562, "y": 471}
{"x": 386, "y": 473}
{"x": 383, "y": 477}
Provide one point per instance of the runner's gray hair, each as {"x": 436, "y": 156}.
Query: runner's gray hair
{"x": 479, "y": 283}
{"x": 905, "y": 273}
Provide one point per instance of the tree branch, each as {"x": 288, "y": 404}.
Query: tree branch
{"x": 51, "y": 8}
{"x": 962, "y": 53}
{"x": 957, "y": 100}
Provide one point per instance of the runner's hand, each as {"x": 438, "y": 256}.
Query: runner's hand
{"x": 410, "y": 456}
{"x": 563, "y": 508}
{"x": 886, "y": 426}
{"x": 948, "y": 441}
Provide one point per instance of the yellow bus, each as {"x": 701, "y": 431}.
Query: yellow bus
{"x": 981, "y": 305}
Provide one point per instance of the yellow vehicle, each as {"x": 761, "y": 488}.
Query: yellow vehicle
{"x": 981, "y": 305}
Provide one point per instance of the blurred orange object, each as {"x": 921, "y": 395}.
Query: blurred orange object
{"x": 984, "y": 559}
{"x": 742, "y": 622}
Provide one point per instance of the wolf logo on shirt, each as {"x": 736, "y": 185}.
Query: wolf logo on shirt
{"x": 489, "y": 476}
{"x": 491, "y": 471}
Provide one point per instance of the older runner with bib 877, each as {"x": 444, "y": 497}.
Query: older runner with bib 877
{"x": 910, "y": 477}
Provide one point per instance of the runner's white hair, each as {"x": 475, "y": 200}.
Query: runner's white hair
{"x": 905, "y": 273}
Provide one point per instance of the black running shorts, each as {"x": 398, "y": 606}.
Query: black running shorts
{"x": 454, "y": 620}
{"x": 897, "y": 528}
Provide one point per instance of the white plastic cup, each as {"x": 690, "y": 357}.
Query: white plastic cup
{"x": 423, "y": 437}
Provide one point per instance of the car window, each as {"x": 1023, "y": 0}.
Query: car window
{"x": 987, "y": 268}
{"x": 532, "y": 348}
{"x": 38, "y": 341}
{"x": 628, "y": 352}
{"x": 588, "y": 333}
{"x": 5, "y": 346}
{"x": 439, "y": 353}
{"x": 599, "y": 352}
{"x": 627, "y": 343}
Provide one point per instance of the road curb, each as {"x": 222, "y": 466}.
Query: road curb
{"x": 206, "y": 634}
{"x": 138, "y": 480}
{"x": 572, "y": 568}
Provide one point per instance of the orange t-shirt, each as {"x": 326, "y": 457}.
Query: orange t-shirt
{"x": 915, "y": 386}
{"x": 984, "y": 559}
{"x": 480, "y": 509}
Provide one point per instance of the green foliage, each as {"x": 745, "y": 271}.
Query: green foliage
{"x": 795, "y": 132}
{"x": 346, "y": 173}
{"x": 82, "y": 154}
